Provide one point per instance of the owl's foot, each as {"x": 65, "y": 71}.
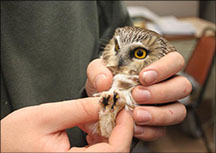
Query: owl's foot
{"x": 109, "y": 101}
{"x": 111, "y": 104}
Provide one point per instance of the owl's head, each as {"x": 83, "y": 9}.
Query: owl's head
{"x": 132, "y": 48}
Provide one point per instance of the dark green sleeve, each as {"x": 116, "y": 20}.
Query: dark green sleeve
{"x": 111, "y": 16}
{"x": 46, "y": 47}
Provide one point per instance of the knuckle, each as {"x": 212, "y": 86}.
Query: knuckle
{"x": 187, "y": 86}
{"x": 156, "y": 120}
{"x": 182, "y": 114}
{"x": 84, "y": 108}
{"x": 161, "y": 131}
{"x": 180, "y": 60}
{"x": 163, "y": 118}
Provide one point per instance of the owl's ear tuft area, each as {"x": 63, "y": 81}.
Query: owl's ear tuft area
{"x": 118, "y": 30}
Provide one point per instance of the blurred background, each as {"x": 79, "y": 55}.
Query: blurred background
{"x": 190, "y": 27}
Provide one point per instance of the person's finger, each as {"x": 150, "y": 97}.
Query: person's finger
{"x": 120, "y": 138}
{"x": 99, "y": 77}
{"x": 162, "y": 69}
{"x": 159, "y": 116}
{"x": 149, "y": 133}
{"x": 122, "y": 133}
{"x": 167, "y": 91}
{"x": 67, "y": 114}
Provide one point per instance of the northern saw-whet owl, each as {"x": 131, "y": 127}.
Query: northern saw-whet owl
{"x": 127, "y": 53}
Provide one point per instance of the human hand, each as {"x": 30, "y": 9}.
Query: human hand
{"x": 42, "y": 128}
{"x": 160, "y": 85}
{"x": 100, "y": 79}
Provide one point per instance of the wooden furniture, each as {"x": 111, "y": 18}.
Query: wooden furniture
{"x": 199, "y": 25}
{"x": 199, "y": 67}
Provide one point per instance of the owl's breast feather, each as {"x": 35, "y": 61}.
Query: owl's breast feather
{"x": 125, "y": 82}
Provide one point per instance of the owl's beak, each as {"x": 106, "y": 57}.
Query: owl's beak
{"x": 121, "y": 62}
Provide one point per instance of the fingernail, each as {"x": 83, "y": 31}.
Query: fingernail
{"x": 142, "y": 94}
{"x": 143, "y": 116}
{"x": 149, "y": 76}
{"x": 99, "y": 80}
{"x": 138, "y": 130}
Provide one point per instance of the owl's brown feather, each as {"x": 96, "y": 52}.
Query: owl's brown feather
{"x": 125, "y": 66}
{"x": 129, "y": 38}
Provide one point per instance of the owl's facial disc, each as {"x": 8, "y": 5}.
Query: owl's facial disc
{"x": 127, "y": 53}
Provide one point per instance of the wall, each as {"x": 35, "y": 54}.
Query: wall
{"x": 164, "y": 8}
{"x": 207, "y": 10}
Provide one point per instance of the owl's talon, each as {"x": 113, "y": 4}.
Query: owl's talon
{"x": 111, "y": 103}
{"x": 105, "y": 101}
{"x": 115, "y": 98}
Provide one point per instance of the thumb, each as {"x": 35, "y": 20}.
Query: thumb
{"x": 99, "y": 77}
{"x": 62, "y": 115}
{"x": 119, "y": 140}
{"x": 122, "y": 133}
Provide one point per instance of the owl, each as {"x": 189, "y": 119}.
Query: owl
{"x": 129, "y": 51}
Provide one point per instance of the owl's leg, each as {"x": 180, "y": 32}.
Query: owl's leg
{"x": 111, "y": 104}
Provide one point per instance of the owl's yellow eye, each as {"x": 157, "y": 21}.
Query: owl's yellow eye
{"x": 116, "y": 46}
{"x": 140, "y": 53}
